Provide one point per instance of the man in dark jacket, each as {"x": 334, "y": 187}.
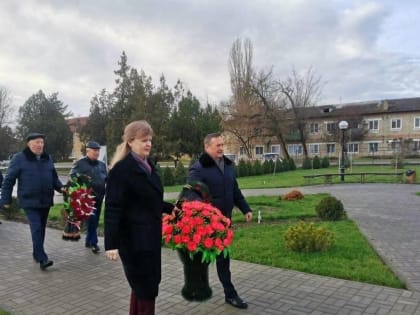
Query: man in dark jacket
{"x": 37, "y": 179}
{"x": 218, "y": 173}
{"x": 96, "y": 170}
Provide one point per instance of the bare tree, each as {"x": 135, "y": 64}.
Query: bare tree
{"x": 8, "y": 142}
{"x": 6, "y": 109}
{"x": 242, "y": 115}
{"x": 267, "y": 90}
{"x": 301, "y": 92}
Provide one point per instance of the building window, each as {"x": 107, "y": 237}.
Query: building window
{"x": 331, "y": 127}
{"x": 259, "y": 150}
{"x": 395, "y": 123}
{"x": 373, "y": 147}
{"x": 295, "y": 149}
{"x": 242, "y": 151}
{"x": 275, "y": 148}
{"x": 374, "y": 125}
{"x": 330, "y": 148}
{"x": 314, "y": 148}
{"x": 353, "y": 148}
{"x": 417, "y": 123}
{"x": 314, "y": 128}
{"x": 394, "y": 145}
{"x": 416, "y": 145}
{"x": 354, "y": 124}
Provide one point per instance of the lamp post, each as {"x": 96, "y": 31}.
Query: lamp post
{"x": 343, "y": 125}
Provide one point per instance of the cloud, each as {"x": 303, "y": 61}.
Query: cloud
{"x": 73, "y": 47}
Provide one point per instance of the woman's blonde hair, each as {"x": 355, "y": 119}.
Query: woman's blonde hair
{"x": 135, "y": 129}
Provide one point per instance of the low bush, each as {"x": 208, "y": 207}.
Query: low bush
{"x": 293, "y": 195}
{"x": 305, "y": 237}
{"x": 330, "y": 209}
{"x": 325, "y": 162}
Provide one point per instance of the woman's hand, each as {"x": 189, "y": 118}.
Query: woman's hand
{"x": 176, "y": 211}
{"x": 112, "y": 254}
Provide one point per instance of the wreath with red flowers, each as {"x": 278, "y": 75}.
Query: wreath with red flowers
{"x": 79, "y": 204}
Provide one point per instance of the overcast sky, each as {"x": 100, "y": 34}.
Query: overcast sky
{"x": 364, "y": 50}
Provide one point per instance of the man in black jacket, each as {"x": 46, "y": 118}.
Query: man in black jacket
{"x": 218, "y": 173}
{"x": 97, "y": 171}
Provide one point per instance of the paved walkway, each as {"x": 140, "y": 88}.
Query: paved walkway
{"x": 83, "y": 283}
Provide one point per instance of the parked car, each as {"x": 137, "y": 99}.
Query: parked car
{"x": 270, "y": 156}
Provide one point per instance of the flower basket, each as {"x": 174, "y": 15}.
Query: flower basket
{"x": 196, "y": 277}
{"x": 200, "y": 232}
{"x": 78, "y": 206}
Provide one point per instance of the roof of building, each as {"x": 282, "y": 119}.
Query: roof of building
{"x": 365, "y": 108}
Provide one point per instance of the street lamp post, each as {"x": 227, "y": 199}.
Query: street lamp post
{"x": 343, "y": 125}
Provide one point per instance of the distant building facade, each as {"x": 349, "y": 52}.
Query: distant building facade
{"x": 376, "y": 128}
{"x": 75, "y": 124}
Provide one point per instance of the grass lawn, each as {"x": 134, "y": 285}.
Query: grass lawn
{"x": 295, "y": 178}
{"x": 351, "y": 258}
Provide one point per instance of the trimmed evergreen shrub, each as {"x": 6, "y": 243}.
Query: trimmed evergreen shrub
{"x": 278, "y": 166}
{"x": 306, "y": 164}
{"x": 266, "y": 167}
{"x": 285, "y": 165}
{"x": 307, "y": 238}
{"x": 168, "y": 176}
{"x": 292, "y": 165}
{"x": 258, "y": 169}
{"x": 325, "y": 162}
{"x": 316, "y": 162}
{"x": 180, "y": 174}
{"x": 250, "y": 168}
{"x": 330, "y": 209}
{"x": 242, "y": 168}
{"x": 271, "y": 164}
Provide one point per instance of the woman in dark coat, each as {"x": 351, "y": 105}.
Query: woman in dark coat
{"x": 133, "y": 216}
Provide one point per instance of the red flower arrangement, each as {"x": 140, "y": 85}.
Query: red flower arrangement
{"x": 199, "y": 227}
{"x": 79, "y": 204}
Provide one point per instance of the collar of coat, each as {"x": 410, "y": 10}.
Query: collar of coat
{"x": 32, "y": 157}
{"x": 207, "y": 161}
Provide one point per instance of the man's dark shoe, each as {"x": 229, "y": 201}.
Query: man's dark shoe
{"x": 95, "y": 249}
{"x": 45, "y": 264}
{"x": 88, "y": 245}
{"x": 236, "y": 302}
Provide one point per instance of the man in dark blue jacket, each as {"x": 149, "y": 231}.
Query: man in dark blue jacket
{"x": 96, "y": 170}
{"x": 218, "y": 173}
{"x": 37, "y": 179}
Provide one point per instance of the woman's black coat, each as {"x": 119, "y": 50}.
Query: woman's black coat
{"x": 133, "y": 223}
